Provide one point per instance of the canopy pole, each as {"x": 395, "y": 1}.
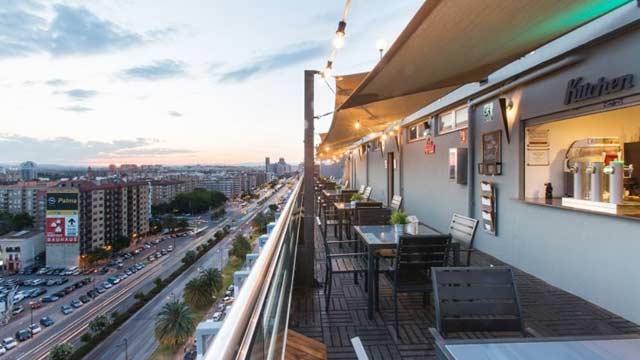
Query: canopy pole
{"x": 305, "y": 277}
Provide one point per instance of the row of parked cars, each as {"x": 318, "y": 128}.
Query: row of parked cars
{"x": 223, "y": 307}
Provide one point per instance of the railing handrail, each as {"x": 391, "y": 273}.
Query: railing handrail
{"x": 231, "y": 334}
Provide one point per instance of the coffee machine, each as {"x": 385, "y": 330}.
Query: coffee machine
{"x": 584, "y": 165}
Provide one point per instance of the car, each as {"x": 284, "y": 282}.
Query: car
{"x": 76, "y": 303}
{"x": 9, "y": 343}
{"x": 104, "y": 270}
{"x": 46, "y": 321}
{"x": 37, "y": 292}
{"x": 17, "y": 310}
{"x": 49, "y": 299}
{"x": 163, "y": 252}
{"x": 170, "y": 248}
{"x": 51, "y": 282}
{"x": 38, "y": 282}
{"x": 128, "y": 272}
{"x": 18, "y": 297}
{"x": 101, "y": 290}
{"x": 217, "y": 316}
{"x": 158, "y": 254}
{"x": 66, "y": 309}
{"x": 228, "y": 299}
{"x": 151, "y": 258}
{"x": 113, "y": 280}
{"x": 139, "y": 266}
{"x": 35, "y": 304}
{"x": 34, "y": 329}
{"x": 78, "y": 285}
{"x": 220, "y": 307}
{"x": 69, "y": 289}
{"x": 84, "y": 298}
{"x": 23, "y": 335}
{"x": 107, "y": 285}
{"x": 2, "y": 350}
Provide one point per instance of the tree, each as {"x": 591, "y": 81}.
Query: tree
{"x": 273, "y": 207}
{"x": 219, "y": 235}
{"x": 61, "y": 352}
{"x": 189, "y": 258}
{"x": 174, "y": 324}
{"x": 198, "y": 293}
{"x": 98, "y": 323}
{"x": 21, "y": 221}
{"x": 157, "y": 282}
{"x": 155, "y": 226}
{"x": 182, "y": 224}
{"x": 97, "y": 254}
{"x": 139, "y": 295}
{"x": 213, "y": 279}
{"x": 121, "y": 242}
{"x": 170, "y": 222}
{"x": 261, "y": 220}
{"x": 86, "y": 337}
{"x": 240, "y": 247}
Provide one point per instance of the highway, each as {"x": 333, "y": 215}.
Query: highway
{"x": 138, "y": 330}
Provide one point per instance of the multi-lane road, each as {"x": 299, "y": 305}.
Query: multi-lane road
{"x": 139, "y": 330}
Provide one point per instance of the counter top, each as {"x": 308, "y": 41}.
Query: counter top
{"x": 557, "y": 204}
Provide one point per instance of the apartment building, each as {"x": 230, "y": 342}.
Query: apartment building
{"x": 25, "y": 197}
{"x": 109, "y": 210}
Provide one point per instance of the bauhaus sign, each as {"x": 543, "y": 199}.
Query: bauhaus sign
{"x": 62, "y": 218}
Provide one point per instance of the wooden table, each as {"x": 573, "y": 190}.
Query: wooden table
{"x": 378, "y": 237}
{"x": 621, "y": 347}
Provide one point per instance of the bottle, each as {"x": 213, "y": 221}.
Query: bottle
{"x": 548, "y": 191}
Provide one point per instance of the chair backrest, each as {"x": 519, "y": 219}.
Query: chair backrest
{"x": 396, "y": 202}
{"x": 367, "y": 192}
{"x": 361, "y": 353}
{"x": 346, "y": 183}
{"x": 476, "y": 299}
{"x": 463, "y": 230}
{"x": 417, "y": 254}
{"x": 361, "y": 190}
{"x": 372, "y": 216}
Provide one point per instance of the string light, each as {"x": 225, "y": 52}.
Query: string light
{"x": 357, "y": 125}
{"x": 338, "y": 40}
{"x": 381, "y": 45}
{"x": 327, "y": 70}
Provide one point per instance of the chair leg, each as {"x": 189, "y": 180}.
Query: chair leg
{"x": 328, "y": 296}
{"x": 424, "y": 299}
{"x": 395, "y": 310}
{"x": 376, "y": 285}
{"x": 355, "y": 279}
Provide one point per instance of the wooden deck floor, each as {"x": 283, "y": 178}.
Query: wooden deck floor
{"x": 547, "y": 309}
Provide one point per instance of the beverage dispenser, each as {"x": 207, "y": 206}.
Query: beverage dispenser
{"x": 584, "y": 162}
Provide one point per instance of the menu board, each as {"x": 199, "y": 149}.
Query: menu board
{"x": 489, "y": 207}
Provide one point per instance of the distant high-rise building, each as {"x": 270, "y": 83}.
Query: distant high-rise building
{"x": 27, "y": 197}
{"x": 28, "y": 171}
{"x": 267, "y": 164}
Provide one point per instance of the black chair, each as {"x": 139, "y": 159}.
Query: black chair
{"x": 476, "y": 299}
{"x": 411, "y": 272}
{"x": 330, "y": 216}
{"x": 463, "y": 231}
{"x": 342, "y": 263}
{"x": 366, "y": 215}
{"x": 396, "y": 203}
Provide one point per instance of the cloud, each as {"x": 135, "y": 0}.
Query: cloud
{"x": 56, "y": 82}
{"x": 175, "y": 113}
{"x": 291, "y": 55}
{"x": 77, "y": 109}
{"x": 78, "y": 94}
{"x": 158, "y": 70}
{"x": 67, "y": 150}
{"x": 27, "y": 27}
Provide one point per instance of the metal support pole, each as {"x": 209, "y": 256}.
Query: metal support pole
{"x": 126, "y": 349}
{"x": 305, "y": 277}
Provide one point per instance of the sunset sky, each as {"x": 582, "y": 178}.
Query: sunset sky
{"x": 173, "y": 82}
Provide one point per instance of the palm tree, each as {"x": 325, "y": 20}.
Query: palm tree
{"x": 61, "y": 352}
{"x": 213, "y": 278}
{"x": 198, "y": 293}
{"x": 175, "y": 323}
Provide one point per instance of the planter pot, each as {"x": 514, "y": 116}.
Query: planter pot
{"x": 399, "y": 228}
{"x": 339, "y": 191}
{"x": 353, "y": 203}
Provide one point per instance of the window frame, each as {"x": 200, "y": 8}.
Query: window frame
{"x": 457, "y": 124}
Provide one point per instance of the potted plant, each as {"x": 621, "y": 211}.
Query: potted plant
{"x": 339, "y": 189}
{"x": 399, "y": 220}
{"x": 355, "y": 198}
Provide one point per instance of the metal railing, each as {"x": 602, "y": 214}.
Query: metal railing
{"x": 256, "y": 327}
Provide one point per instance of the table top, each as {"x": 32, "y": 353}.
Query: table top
{"x": 335, "y": 192}
{"x": 347, "y": 205}
{"x": 386, "y": 235}
{"x": 597, "y": 349}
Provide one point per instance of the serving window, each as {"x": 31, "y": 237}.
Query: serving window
{"x": 589, "y": 163}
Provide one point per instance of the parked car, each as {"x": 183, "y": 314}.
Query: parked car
{"x": 66, "y": 309}
{"x": 35, "y": 304}
{"x": 23, "y": 335}
{"x": 104, "y": 270}
{"x": 17, "y": 309}
{"x": 84, "y": 298}
{"x": 76, "y": 303}
{"x": 2, "y": 350}
{"x": 34, "y": 329}
{"x": 107, "y": 285}
{"x": 9, "y": 343}
{"x": 101, "y": 290}
{"x": 217, "y": 316}
{"x": 51, "y": 282}
{"x": 49, "y": 298}
{"x": 46, "y": 321}
{"x": 37, "y": 292}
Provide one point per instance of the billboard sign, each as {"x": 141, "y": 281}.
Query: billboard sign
{"x": 62, "y": 218}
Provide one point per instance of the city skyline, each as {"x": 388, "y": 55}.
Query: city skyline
{"x": 146, "y": 83}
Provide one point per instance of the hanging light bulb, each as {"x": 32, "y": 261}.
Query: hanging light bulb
{"x": 357, "y": 125}
{"x": 338, "y": 40}
{"x": 381, "y": 46}
{"x": 327, "y": 70}
{"x": 384, "y": 136}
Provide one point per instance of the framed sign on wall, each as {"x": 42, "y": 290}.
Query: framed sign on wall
{"x": 491, "y": 153}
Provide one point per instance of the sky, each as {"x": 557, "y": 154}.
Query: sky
{"x": 96, "y": 82}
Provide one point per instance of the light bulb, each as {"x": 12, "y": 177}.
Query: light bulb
{"x": 327, "y": 70}
{"x": 338, "y": 40}
{"x": 381, "y": 45}
{"x": 384, "y": 136}
{"x": 357, "y": 125}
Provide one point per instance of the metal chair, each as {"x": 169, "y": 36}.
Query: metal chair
{"x": 476, "y": 299}
{"x": 411, "y": 272}
{"x": 396, "y": 203}
{"x": 367, "y": 193}
{"x": 342, "y": 263}
{"x": 463, "y": 231}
